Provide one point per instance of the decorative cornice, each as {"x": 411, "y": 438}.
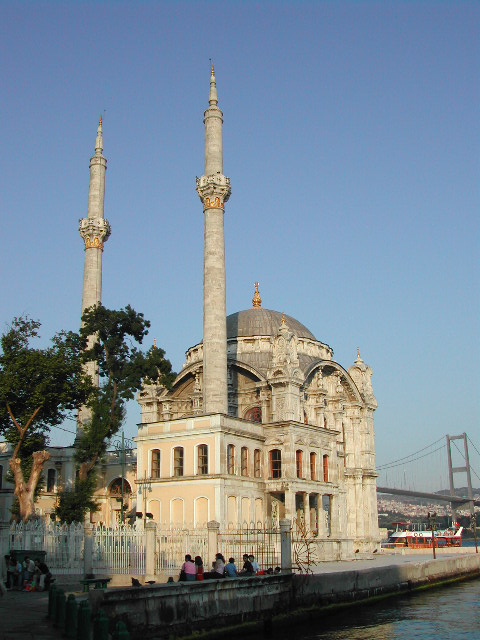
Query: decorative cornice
{"x": 94, "y": 232}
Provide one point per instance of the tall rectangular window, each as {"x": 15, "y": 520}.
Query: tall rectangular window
{"x": 257, "y": 463}
{"x": 1, "y": 476}
{"x": 275, "y": 463}
{"x": 178, "y": 462}
{"x": 202, "y": 465}
{"x": 231, "y": 459}
{"x": 325, "y": 468}
{"x": 244, "y": 461}
{"x": 313, "y": 466}
{"x": 299, "y": 461}
{"x": 51, "y": 477}
{"x": 155, "y": 466}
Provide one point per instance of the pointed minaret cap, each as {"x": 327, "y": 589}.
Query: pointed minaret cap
{"x": 213, "y": 98}
{"x": 256, "y": 301}
{"x": 99, "y": 141}
{"x": 359, "y": 359}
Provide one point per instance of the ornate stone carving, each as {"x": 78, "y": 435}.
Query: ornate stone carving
{"x": 94, "y": 231}
{"x": 213, "y": 191}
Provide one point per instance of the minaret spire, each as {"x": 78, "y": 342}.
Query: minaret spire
{"x": 213, "y": 97}
{"x": 214, "y": 190}
{"x": 99, "y": 142}
{"x": 94, "y": 230}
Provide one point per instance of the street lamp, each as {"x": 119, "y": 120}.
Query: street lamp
{"x": 145, "y": 486}
{"x": 123, "y": 447}
{"x": 432, "y": 521}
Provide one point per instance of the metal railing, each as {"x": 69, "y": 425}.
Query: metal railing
{"x": 258, "y": 540}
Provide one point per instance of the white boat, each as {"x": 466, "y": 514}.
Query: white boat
{"x": 419, "y": 536}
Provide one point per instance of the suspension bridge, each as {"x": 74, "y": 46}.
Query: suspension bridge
{"x": 447, "y": 466}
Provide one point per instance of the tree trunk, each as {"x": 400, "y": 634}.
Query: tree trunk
{"x": 85, "y": 468}
{"x": 25, "y": 491}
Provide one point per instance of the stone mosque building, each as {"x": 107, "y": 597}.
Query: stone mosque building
{"x": 261, "y": 423}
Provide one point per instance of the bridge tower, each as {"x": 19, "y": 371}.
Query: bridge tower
{"x": 465, "y": 469}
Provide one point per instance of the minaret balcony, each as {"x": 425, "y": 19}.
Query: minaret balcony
{"x": 213, "y": 190}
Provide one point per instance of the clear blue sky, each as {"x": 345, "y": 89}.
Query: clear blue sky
{"x": 351, "y": 138}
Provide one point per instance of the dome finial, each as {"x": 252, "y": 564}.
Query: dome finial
{"x": 283, "y": 318}
{"x": 359, "y": 359}
{"x": 257, "y": 301}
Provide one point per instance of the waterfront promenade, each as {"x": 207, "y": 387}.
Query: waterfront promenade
{"x": 23, "y": 614}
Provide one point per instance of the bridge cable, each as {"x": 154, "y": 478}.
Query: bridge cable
{"x": 399, "y": 463}
{"x": 412, "y": 454}
{"x": 468, "y": 438}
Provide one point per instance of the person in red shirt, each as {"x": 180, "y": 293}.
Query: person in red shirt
{"x": 199, "y": 566}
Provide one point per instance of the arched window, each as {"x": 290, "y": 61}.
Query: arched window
{"x": 178, "y": 462}
{"x": 299, "y": 463}
{"x": 254, "y": 414}
{"x": 116, "y": 488}
{"x": 275, "y": 463}
{"x": 202, "y": 459}
{"x": 155, "y": 464}
{"x": 231, "y": 459}
{"x": 257, "y": 463}
{"x": 244, "y": 461}
{"x": 325, "y": 468}
{"x": 51, "y": 479}
{"x": 313, "y": 466}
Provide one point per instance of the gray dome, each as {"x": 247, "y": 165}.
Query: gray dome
{"x": 262, "y": 322}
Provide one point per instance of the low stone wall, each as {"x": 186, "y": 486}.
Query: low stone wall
{"x": 183, "y": 608}
{"x": 347, "y": 586}
{"x": 179, "y": 609}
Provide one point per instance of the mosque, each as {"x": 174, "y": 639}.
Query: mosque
{"x": 260, "y": 424}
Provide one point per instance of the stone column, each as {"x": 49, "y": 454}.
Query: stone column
{"x": 290, "y": 506}
{"x": 334, "y": 532}
{"x": 213, "y": 530}
{"x": 88, "y": 549}
{"x": 214, "y": 190}
{"x": 286, "y": 545}
{"x": 320, "y": 517}
{"x": 150, "y": 539}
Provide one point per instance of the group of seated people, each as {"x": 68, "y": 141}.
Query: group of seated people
{"x": 193, "y": 569}
{"x": 29, "y": 575}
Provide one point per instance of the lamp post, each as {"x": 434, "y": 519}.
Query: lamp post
{"x": 123, "y": 447}
{"x": 145, "y": 485}
{"x": 473, "y": 527}
{"x": 432, "y": 521}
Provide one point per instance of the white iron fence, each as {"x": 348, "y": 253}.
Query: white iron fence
{"x": 118, "y": 549}
{"x": 122, "y": 549}
{"x": 173, "y": 543}
{"x": 62, "y": 543}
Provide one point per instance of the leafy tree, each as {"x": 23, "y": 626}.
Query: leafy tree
{"x": 122, "y": 369}
{"x": 38, "y": 388}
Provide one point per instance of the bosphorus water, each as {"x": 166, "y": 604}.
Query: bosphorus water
{"x": 451, "y": 612}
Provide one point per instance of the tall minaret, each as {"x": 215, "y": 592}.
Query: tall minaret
{"x": 94, "y": 230}
{"x": 214, "y": 190}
